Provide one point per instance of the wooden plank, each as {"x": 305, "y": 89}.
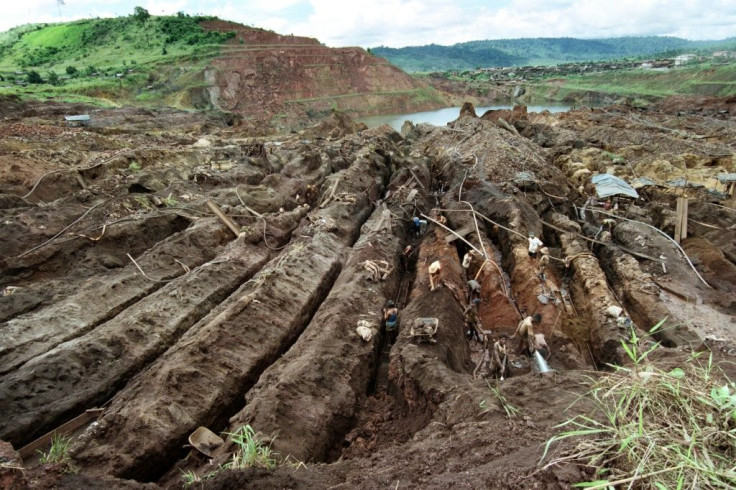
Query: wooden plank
{"x": 412, "y": 195}
{"x": 459, "y": 234}
{"x": 64, "y": 429}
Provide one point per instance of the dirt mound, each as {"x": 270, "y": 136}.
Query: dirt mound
{"x": 707, "y": 106}
{"x": 10, "y": 105}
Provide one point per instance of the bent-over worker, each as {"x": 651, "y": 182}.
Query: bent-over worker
{"x": 473, "y": 290}
{"x": 391, "y": 320}
{"x": 541, "y": 345}
{"x": 418, "y": 226}
{"x": 434, "y": 275}
{"x": 525, "y": 331}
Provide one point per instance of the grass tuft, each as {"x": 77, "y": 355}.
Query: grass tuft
{"x": 511, "y": 411}
{"x": 251, "y": 452}
{"x": 58, "y": 452}
{"x": 655, "y": 428}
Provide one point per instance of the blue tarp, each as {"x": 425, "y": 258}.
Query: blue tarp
{"x": 723, "y": 178}
{"x": 609, "y": 185}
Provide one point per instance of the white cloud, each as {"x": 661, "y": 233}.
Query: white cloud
{"x": 415, "y": 22}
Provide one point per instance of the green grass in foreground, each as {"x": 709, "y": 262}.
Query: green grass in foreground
{"x": 653, "y": 428}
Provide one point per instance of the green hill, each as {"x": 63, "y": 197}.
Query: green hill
{"x": 117, "y": 58}
{"x": 536, "y": 51}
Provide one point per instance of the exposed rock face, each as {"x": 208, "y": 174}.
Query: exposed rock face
{"x": 285, "y": 79}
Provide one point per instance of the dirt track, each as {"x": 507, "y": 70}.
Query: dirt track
{"x": 260, "y": 329}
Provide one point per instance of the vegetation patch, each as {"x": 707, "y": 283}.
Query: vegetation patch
{"x": 107, "y": 58}
{"x": 252, "y": 451}
{"x": 656, "y": 428}
{"x": 58, "y": 452}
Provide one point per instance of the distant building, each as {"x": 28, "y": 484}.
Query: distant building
{"x": 721, "y": 54}
{"x": 684, "y": 59}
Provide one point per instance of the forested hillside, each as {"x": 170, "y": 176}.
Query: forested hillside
{"x": 537, "y": 51}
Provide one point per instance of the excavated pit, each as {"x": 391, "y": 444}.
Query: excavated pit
{"x": 260, "y": 330}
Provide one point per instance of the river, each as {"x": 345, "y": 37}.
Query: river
{"x": 441, "y": 117}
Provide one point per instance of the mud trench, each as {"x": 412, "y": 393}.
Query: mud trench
{"x": 275, "y": 320}
{"x": 394, "y": 416}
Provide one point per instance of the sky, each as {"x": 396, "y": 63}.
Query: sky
{"x": 397, "y": 23}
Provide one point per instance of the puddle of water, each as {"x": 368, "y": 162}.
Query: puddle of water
{"x": 441, "y": 117}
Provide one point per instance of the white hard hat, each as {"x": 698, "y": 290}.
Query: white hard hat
{"x": 435, "y": 267}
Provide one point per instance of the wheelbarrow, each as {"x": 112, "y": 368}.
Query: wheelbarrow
{"x": 205, "y": 441}
{"x": 423, "y": 330}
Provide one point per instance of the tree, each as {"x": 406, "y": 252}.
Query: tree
{"x": 141, "y": 16}
{"x": 33, "y": 77}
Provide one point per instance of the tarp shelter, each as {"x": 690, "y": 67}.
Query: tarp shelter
{"x": 607, "y": 185}
{"x": 726, "y": 178}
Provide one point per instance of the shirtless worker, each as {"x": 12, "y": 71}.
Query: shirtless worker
{"x": 495, "y": 359}
{"x": 498, "y": 359}
{"x": 541, "y": 345}
{"x": 543, "y": 263}
{"x": 525, "y": 330}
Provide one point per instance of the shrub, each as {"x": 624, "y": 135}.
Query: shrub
{"x": 33, "y": 77}
{"x": 71, "y": 70}
{"x": 53, "y": 78}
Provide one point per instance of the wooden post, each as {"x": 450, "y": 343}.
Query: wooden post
{"x": 224, "y": 218}
{"x": 683, "y": 227}
{"x": 681, "y": 219}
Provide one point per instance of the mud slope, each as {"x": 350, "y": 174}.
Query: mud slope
{"x": 253, "y": 269}
{"x": 261, "y": 74}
